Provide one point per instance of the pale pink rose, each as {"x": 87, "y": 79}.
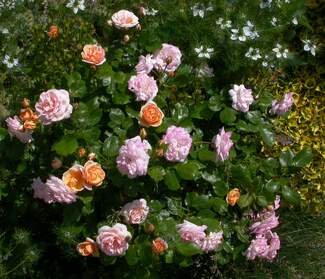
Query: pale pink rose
{"x": 190, "y": 232}
{"x": 53, "y": 105}
{"x": 281, "y": 107}
{"x": 135, "y": 212}
{"x": 258, "y": 248}
{"x": 16, "y": 129}
{"x": 211, "y": 242}
{"x": 274, "y": 245}
{"x": 242, "y": 98}
{"x": 168, "y": 58}
{"x": 222, "y": 143}
{"x": 113, "y": 241}
{"x": 144, "y": 87}
{"x": 145, "y": 64}
{"x": 41, "y": 191}
{"x": 125, "y": 19}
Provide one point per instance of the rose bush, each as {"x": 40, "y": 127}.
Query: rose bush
{"x": 168, "y": 142}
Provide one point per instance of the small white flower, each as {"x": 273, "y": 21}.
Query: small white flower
{"x": 253, "y": 53}
{"x": 205, "y": 71}
{"x": 204, "y": 53}
{"x": 219, "y": 21}
{"x": 150, "y": 12}
{"x": 309, "y": 46}
{"x": 274, "y": 21}
{"x": 76, "y": 5}
{"x": 279, "y": 53}
{"x": 265, "y": 64}
{"x": 265, "y": 4}
{"x": 200, "y": 10}
{"x": 10, "y": 62}
{"x": 295, "y": 21}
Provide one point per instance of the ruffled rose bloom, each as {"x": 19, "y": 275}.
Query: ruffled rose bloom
{"x": 222, "y": 143}
{"x": 179, "y": 144}
{"x": 125, "y": 19}
{"x": 29, "y": 125}
{"x": 28, "y": 115}
{"x": 190, "y": 232}
{"x": 93, "y": 174}
{"x": 233, "y": 196}
{"x": 133, "y": 158}
{"x": 113, "y": 241}
{"x": 168, "y": 58}
{"x": 16, "y": 129}
{"x": 151, "y": 115}
{"x": 53, "y": 105}
{"x": 242, "y": 98}
{"x": 211, "y": 242}
{"x": 274, "y": 245}
{"x": 88, "y": 248}
{"x": 144, "y": 87}
{"x": 145, "y": 64}
{"x": 54, "y": 190}
{"x": 281, "y": 107}
{"x": 73, "y": 178}
{"x": 93, "y": 54}
{"x": 159, "y": 246}
{"x": 135, "y": 212}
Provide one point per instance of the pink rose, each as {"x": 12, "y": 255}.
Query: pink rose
{"x": 145, "y": 64}
{"x": 281, "y": 107}
{"x": 124, "y": 19}
{"x": 135, "y": 212}
{"x": 16, "y": 129}
{"x": 53, "y": 105}
{"x": 190, "y": 232}
{"x": 144, "y": 87}
{"x": 242, "y": 98}
{"x": 168, "y": 58}
{"x": 211, "y": 242}
{"x": 222, "y": 143}
{"x": 113, "y": 241}
{"x": 41, "y": 191}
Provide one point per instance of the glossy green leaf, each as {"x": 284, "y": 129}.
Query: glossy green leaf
{"x": 290, "y": 195}
{"x": 66, "y": 146}
{"x": 228, "y": 116}
{"x": 188, "y": 171}
{"x": 302, "y": 159}
{"x": 157, "y": 173}
{"x": 171, "y": 180}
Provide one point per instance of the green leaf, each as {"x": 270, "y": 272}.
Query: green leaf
{"x": 187, "y": 249}
{"x": 67, "y": 145}
{"x": 121, "y": 98}
{"x": 77, "y": 87}
{"x": 188, "y": 171}
{"x": 111, "y": 146}
{"x": 272, "y": 186}
{"x": 220, "y": 188}
{"x": 290, "y": 195}
{"x": 179, "y": 112}
{"x": 3, "y": 133}
{"x": 117, "y": 117}
{"x": 254, "y": 117}
{"x": 169, "y": 257}
{"x": 286, "y": 158}
{"x": 207, "y": 155}
{"x": 261, "y": 201}
{"x": 302, "y": 159}
{"x": 131, "y": 255}
{"x": 171, "y": 180}
{"x": 267, "y": 136}
{"x": 215, "y": 103}
{"x": 197, "y": 201}
{"x": 228, "y": 116}
{"x": 219, "y": 205}
{"x": 157, "y": 173}
{"x": 86, "y": 116}
{"x": 241, "y": 174}
{"x": 245, "y": 200}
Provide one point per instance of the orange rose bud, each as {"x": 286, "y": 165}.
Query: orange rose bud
{"x": 56, "y": 163}
{"x": 159, "y": 245}
{"x": 151, "y": 115}
{"x": 54, "y": 32}
{"x": 29, "y": 125}
{"x": 25, "y": 103}
{"x": 88, "y": 248}
{"x": 81, "y": 152}
{"x": 93, "y": 174}
{"x": 26, "y": 114}
{"x": 233, "y": 196}
{"x": 73, "y": 178}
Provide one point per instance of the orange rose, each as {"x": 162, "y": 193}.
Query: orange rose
{"x": 88, "y": 248}
{"x": 151, "y": 115}
{"x": 159, "y": 245}
{"x": 27, "y": 114}
{"x": 81, "y": 152}
{"x": 93, "y": 174}
{"x": 73, "y": 178}
{"x": 29, "y": 125}
{"x": 93, "y": 54}
{"x": 54, "y": 32}
{"x": 233, "y": 196}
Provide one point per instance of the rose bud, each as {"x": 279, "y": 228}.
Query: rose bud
{"x": 233, "y": 196}
{"x": 159, "y": 245}
{"x": 88, "y": 248}
{"x": 126, "y": 38}
{"x": 150, "y": 228}
{"x": 142, "y": 11}
{"x": 151, "y": 115}
{"x": 160, "y": 152}
{"x": 82, "y": 152}
{"x": 25, "y": 103}
{"x": 138, "y": 27}
{"x": 29, "y": 125}
{"x": 91, "y": 156}
{"x": 56, "y": 163}
{"x": 110, "y": 22}
{"x": 54, "y": 32}
{"x": 143, "y": 133}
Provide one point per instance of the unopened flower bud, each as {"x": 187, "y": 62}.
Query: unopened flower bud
{"x": 138, "y": 27}
{"x": 81, "y": 152}
{"x": 126, "y": 38}
{"x": 143, "y": 133}
{"x": 142, "y": 11}
{"x": 91, "y": 156}
{"x": 54, "y": 32}
{"x": 25, "y": 103}
{"x": 150, "y": 228}
{"x": 109, "y": 22}
{"x": 160, "y": 152}
{"x": 171, "y": 74}
{"x": 56, "y": 163}
{"x": 169, "y": 60}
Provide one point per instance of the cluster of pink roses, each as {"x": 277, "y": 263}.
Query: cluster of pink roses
{"x": 266, "y": 243}
{"x": 195, "y": 234}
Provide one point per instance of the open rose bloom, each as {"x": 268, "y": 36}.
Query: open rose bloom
{"x": 282, "y": 106}
{"x": 222, "y": 144}
{"x": 88, "y": 248}
{"x": 151, "y": 115}
{"x": 53, "y": 105}
{"x": 73, "y": 178}
{"x": 168, "y": 58}
{"x": 145, "y": 64}
{"x": 113, "y": 241}
{"x": 93, "y": 54}
{"x": 159, "y": 246}
{"x": 144, "y": 87}
{"x": 135, "y": 212}
{"x": 242, "y": 98}
{"x": 233, "y": 196}
{"x": 124, "y": 19}
{"x": 16, "y": 129}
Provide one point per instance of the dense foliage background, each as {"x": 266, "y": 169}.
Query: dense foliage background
{"x": 38, "y": 240}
